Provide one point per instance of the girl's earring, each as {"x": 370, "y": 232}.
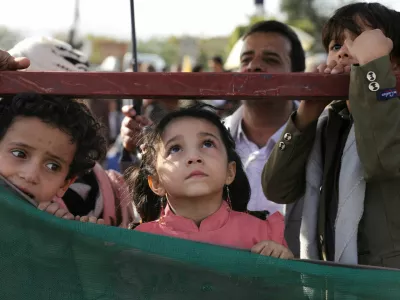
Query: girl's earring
{"x": 228, "y": 198}
{"x": 162, "y": 202}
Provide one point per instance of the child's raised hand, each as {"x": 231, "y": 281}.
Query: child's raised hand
{"x": 87, "y": 219}
{"x": 369, "y": 45}
{"x": 270, "y": 248}
{"x": 333, "y": 67}
{"x": 55, "y": 209}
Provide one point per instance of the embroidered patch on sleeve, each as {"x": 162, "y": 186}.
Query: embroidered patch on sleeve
{"x": 386, "y": 94}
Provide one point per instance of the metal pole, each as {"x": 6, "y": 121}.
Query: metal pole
{"x": 134, "y": 48}
{"x": 137, "y": 102}
{"x": 73, "y": 38}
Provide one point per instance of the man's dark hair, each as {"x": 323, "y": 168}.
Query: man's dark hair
{"x": 352, "y": 16}
{"x": 297, "y": 55}
{"x": 69, "y": 115}
{"x": 218, "y": 60}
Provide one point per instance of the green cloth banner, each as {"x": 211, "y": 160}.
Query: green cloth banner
{"x": 44, "y": 257}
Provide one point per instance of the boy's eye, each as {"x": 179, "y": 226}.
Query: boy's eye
{"x": 53, "y": 166}
{"x": 336, "y": 47}
{"x": 18, "y": 153}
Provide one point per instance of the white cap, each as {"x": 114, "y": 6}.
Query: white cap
{"x": 49, "y": 54}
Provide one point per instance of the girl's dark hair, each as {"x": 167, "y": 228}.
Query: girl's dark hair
{"x": 69, "y": 115}
{"x": 375, "y": 15}
{"x": 148, "y": 204}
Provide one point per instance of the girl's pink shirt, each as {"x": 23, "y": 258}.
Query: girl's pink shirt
{"x": 225, "y": 227}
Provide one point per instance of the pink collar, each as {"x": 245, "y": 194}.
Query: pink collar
{"x": 182, "y": 224}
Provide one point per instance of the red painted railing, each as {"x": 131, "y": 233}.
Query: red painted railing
{"x": 178, "y": 85}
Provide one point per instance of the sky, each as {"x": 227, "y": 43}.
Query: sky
{"x": 153, "y": 17}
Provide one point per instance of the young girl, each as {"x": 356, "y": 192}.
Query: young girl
{"x": 191, "y": 185}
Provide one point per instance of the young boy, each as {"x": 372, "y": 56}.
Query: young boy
{"x": 340, "y": 171}
{"x": 98, "y": 194}
{"x": 45, "y": 143}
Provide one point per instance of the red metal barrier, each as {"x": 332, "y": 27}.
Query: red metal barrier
{"x": 178, "y": 85}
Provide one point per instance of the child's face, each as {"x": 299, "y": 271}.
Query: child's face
{"x": 192, "y": 160}
{"x": 35, "y": 157}
{"x": 338, "y": 51}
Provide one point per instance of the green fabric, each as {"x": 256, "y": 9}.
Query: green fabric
{"x": 43, "y": 257}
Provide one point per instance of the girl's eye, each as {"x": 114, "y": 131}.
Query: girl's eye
{"x": 208, "y": 144}
{"x": 174, "y": 149}
{"x": 336, "y": 47}
{"x": 53, "y": 166}
{"x": 18, "y": 153}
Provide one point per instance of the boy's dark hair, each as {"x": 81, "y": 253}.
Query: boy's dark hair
{"x": 297, "y": 55}
{"x": 375, "y": 15}
{"x": 69, "y": 115}
{"x": 148, "y": 204}
{"x": 218, "y": 60}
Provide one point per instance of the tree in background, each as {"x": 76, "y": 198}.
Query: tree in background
{"x": 203, "y": 59}
{"x": 240, "y": 30}
{"x": 310, "y": 15}
{"x": 170, "y": 48}
{"x": 307, "y": 15}
{"x": 8, "y": 38}
{"x": 211, "y": 47}
{"x": 167, "y": 48}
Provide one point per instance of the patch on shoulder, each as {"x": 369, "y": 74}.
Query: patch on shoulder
{"x": 386, "y": 94}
